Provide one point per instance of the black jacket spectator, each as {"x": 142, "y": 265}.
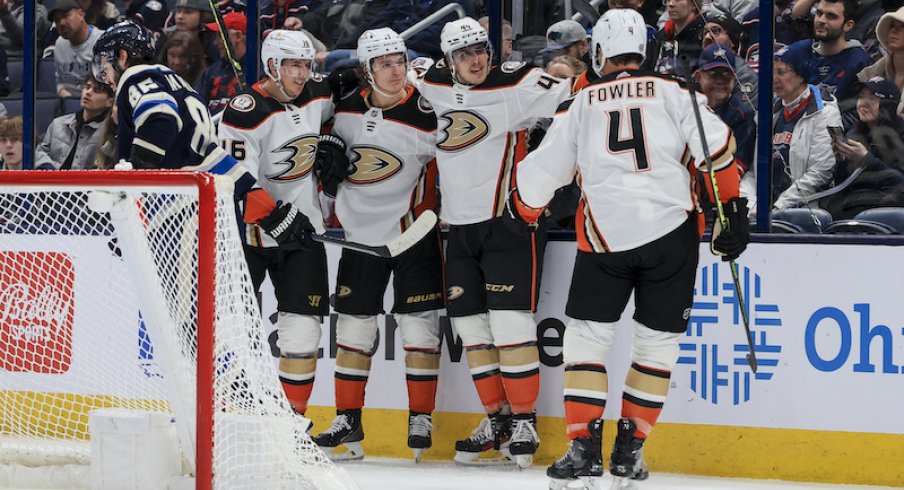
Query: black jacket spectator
{"x": 340, "y": 23}
{"x": 399, "y": 15}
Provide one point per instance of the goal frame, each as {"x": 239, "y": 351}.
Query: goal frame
{"x": 207, "y": 203}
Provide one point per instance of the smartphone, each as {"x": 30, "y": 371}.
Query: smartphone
{"x": 837, "y": 134}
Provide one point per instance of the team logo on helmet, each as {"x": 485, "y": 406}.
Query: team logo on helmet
{"x": 373, "y": 164}
{"x": 463, "y": 129}
{"x": 300, "y": 161}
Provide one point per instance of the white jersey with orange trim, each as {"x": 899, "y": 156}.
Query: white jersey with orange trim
{"x": 482, "y": 133}
{"x": 277, "y": 143}
{"x": 631, "y": 137}
{"x": 393, "y": 152}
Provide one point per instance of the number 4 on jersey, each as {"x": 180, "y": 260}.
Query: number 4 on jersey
{"x": 635, "y": 142}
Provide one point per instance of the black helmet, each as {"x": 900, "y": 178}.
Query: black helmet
{"x": 129, "y": 35}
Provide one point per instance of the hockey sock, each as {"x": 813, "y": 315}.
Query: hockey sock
{"x": 421, "y": 375}
{"x": 520, "y": 366}
{"x": 352, "y": 370}
{"x": 296, "y": 373}
{"x": 586, "y": 386}
{"x": 644, "y": 396}
{"x": 483, "y": 361}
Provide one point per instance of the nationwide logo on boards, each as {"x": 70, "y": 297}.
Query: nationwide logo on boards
{"x": 714, "y": 347}
{"x": 36, "y": 312}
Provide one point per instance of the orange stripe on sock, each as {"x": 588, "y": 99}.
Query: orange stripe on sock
{"x": 491, "y": 392}
{"x": 578, "y": 415}
{"x": 644, "y": 417}
{"x": 422, "y": 396}
{"x": 298, "y": 394}
{"x": 522, "y": 392}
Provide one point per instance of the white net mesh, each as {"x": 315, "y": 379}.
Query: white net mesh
{"x": 100, "y": 310}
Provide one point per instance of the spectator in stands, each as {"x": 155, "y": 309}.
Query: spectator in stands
{"x": 507, "y": 41}
{"x": 218, "y": 83}
{"x": 12, "y": 14}
{"x": 99, "y": 13}
{"x": 399, "y": 15}
{"x": 749, "y": 47}
{"x": 71, "y": 140}
{"x": 890, "y": 32}
{"x": 565, "y": 67}
{"x": 11, "y": 143}
{"x": 74, "y": 49}
{"x": 285, "y": 14}
{"x": 568, "y": 38}
{"x": 338, "y": 24}
{"x": 870, "y": 169}
{"x": 5, "y": 82}
{"x": 802, "y": 158}
{"x": 724, "y": 30}
{"x": 191, "y": 16}
{"x": 182, "y": 52}
{"x": 836, "y": 60}
{"x": 106, "y": 142}
{"x": 150, "y": 13}
{"x": 680, "y": 37}
{"x": 717, "y": 82}
{"x": 865, "y": 20}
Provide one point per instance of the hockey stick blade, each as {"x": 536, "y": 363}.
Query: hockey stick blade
{"x": 418, "y": 230}
{"x": 742, "y": 305}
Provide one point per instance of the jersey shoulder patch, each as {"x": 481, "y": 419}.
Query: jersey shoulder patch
{"x": 511, "y": 66}
{"x": 502, "y": 76}
{"x": 249, "y": 109}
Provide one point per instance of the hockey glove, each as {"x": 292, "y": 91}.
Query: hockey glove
{"x": 513, "y": 219}
{"x": 331, "y": 165}
{"x": 288, "y": 226}
{"x": 343, "y": 82}
{"x": 732, "y": 242}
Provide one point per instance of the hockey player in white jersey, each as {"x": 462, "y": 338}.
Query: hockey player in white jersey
{"x": 492, "y": 272}
{"x": 390, "y": 131}
{"x": 273, "y": 129}
{"x": 632, "y": 139}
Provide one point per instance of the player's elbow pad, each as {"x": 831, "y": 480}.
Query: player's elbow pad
{"x": 144, "y": 158}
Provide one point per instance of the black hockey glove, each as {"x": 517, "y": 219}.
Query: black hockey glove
{"x": 289, "y": 227}
{"x": 331, "y": 165}
{"x": 343, "y": 82}
{"x": 732, "y": 242}
{"x": 513, "y": 219}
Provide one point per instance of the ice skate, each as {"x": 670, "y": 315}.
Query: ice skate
{"x": 342, "y": 441}
{"x": 524, "y": 441}
{"x": 488, "y": 445}
{"x": 420, "y": 430}
{"x": 627, "y": 465}
{"x": 582, "y": 465}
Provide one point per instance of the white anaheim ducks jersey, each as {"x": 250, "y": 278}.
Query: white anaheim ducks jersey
{"x": 632, "y": 137}
{"x": 395, "y": 172}
{"x": 482, "y": 133}
{"x": 277, "y": 143}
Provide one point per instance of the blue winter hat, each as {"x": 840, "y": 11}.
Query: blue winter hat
{"x": 799, "y": 56}
{"x": 717, "y": 56}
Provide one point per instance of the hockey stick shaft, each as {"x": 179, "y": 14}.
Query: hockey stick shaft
{"x": 723, "y": 220}
{"x": 423, "y": 225}
{"x": 224, "y": 36}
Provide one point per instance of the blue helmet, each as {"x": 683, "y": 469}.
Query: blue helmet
{"x": 128, "y": 35}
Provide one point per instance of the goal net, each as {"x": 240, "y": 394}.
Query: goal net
{"x": 129, "y": 290}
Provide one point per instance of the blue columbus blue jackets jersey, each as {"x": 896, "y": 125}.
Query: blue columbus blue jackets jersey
{"x": 161, "y": 115}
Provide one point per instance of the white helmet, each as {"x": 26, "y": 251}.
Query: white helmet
{"x": 379, "y": 42}
{"x": 618, "y": 31}
{"x": 462, "y": 33}
{"x": 285, "y": 45}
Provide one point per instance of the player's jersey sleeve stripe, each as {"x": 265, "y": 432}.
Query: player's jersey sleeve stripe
{"x": 515, "y": 151}
{"x": 725, "y": 155}
{"x": 150, "y": 108}
{"x": 148, "y": 146}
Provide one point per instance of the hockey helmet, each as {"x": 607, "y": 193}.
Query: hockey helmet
{"x": 379, "y": 42}
{"x": 617, "y": 32}
{"x": 285, "y": 45}
{"x": 127, "y": 35}
{"x": 462, "y": 33}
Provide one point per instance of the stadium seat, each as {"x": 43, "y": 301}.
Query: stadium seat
{"x": 781, "y": 226}
{"x": 893, "y": 217}
{"x": 807, "y": 219}
{"x": 46, "y": 109}
{"x": 46, "y": 76}
{"x": 859, "y": 227}
{"x": 15, "y": 68}
{"x": 70, "y": 105}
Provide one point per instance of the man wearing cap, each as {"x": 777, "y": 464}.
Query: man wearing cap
{"x": 218, "y": 83}
{"x": 150, "y": 13}
{"x": 802, "y": 157}
{"x": 717, "y": 82}
{"x": 567, "y": 37}
{"x": 726, "y": 31}
{"x": 73, "y": 50}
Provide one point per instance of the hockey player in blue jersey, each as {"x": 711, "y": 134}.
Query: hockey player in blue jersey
{"x": 163, "y": 124}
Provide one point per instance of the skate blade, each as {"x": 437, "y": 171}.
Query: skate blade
{"x": 486, "y": 458}
{"x": 417, "y": 454}
{"x": 623, "y": 483}
{"x": 581, "y": 483}
{"x": 349, "y": 451}
{"x": 524, "y": 460}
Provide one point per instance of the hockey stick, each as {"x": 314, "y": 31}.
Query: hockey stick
{"x": 418, "y": 230}
{"x": 751, "y": 356}
{"x": 224, "y": 36}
